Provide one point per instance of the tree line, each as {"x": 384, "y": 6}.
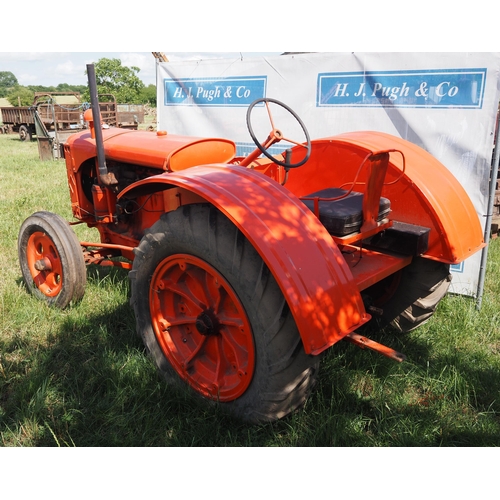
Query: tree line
{"x": 111, "y": 78}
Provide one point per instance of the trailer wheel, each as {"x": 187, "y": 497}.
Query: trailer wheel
{"x": 409, "y": 298}
{"x": 213, "y": 317}
{"x": 51, "y": 259}
{"x": 24, "y": 133}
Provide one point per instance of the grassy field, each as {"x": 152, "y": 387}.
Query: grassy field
{"x": 80, "y": 377}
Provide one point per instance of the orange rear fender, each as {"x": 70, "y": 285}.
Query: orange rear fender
{"x": 309, "y": 268}
{"x": 427, "y": 194}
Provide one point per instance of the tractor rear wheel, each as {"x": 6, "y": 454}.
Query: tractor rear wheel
{"x": 214, "y": 319}
{"x": 51, "y": 259}
{"x": 410, "y": 297}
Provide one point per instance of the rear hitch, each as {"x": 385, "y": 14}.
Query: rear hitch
{"x": 366, "y": 343}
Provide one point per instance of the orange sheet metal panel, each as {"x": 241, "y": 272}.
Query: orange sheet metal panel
{"x": 369, "y": 266}
{"x": 159, "y": 149}
{"x": 306, "y": 263}
{"x": 152, "y": 149}
{"x": 427, "y": 195}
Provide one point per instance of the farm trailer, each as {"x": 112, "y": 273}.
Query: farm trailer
{"x": 244, "y": 270}
{"x": 18, "y": 119}
{"x": 66, "y": 117}
{"x": 120, "y": 115}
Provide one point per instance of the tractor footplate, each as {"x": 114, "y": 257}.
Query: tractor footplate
{"x": 369, "y": 266}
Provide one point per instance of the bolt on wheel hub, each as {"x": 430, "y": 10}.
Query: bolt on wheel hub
{"x": 207, "y": 324}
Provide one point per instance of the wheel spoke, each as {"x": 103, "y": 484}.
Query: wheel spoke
{"x": 181, "y": 290}
{"x": 235, "y": 343}
{"x": 297, "y": 143}
{"x": 39, "y": 279}
{"x": 228, "y": 321}
{"x": 193, "y": 280}
{"x": 204, "y": 287}
{"x": 270, "y": 115}
{"x": 196, "y": 352}
{"x": 218, "y": 380}
{"x": 226, "y": 363}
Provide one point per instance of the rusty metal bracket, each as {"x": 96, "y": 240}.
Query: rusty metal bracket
{"x": 366, "y": 343}
{"x": 102, "y": 254}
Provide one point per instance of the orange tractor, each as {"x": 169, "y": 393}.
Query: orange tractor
{"x": 243, "y": 270}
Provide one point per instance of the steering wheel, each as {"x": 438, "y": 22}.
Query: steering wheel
{"x": 276, "y": 135}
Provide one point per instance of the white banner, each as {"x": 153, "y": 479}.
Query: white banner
{"x": 444, "y": 102}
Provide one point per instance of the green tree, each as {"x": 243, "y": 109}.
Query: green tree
{"x": 61, "y": 87}
{"x": 66, "y": 87}
{"x": 121, "y": 81}
{"x": 148, "y": 95}
{"x": 20, "y": 96}
{"x": 7, "y": 82}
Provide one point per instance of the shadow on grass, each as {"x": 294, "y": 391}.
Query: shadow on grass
{"x": 92, "y": 384}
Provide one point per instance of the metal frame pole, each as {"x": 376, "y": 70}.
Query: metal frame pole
{"x": 489, "y": 214}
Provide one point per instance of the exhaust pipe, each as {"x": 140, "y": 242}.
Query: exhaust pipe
{"x": 105, "y": 178}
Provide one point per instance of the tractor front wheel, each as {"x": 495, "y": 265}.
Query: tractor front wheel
{"x": 51, "y": 259}
{"x": 214, "y": 319}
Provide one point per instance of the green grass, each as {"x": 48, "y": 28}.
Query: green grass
{"x": 80, "y": 377}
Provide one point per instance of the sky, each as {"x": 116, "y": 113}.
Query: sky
{"x": 53, "y": 68}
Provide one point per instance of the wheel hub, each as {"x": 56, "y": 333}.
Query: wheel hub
{"x": 207, "y": 324}
{"x": 43, "y": 264}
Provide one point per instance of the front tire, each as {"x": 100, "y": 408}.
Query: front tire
{"x": 51, "y": 259}
{"x": 212, "y": 316}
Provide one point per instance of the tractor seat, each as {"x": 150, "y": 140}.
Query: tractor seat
{"x": 343, "y": 216}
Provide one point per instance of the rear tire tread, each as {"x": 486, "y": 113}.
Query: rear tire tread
{"x": 284, "y": 375}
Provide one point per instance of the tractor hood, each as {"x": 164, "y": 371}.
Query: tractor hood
{"x": 155, "y": 149}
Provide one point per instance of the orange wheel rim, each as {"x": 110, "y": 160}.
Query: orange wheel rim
{"x": 44, "y": 263}
{"x": 201, "y": 327}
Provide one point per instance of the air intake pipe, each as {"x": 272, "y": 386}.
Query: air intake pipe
{"x": 105, "y": 178}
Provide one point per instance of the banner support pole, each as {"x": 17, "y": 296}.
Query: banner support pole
{"x": 489, "y": 214}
